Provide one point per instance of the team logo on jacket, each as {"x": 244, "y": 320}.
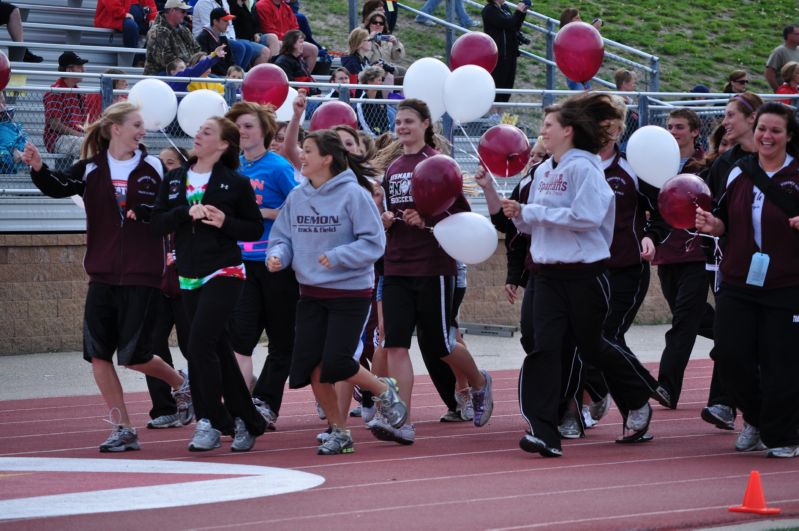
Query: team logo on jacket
{"x": 399, "y": 188}
{"x": 617, "y": 184}
{"x": 147, "y": 185}
{"x": 554, "y": 186}
{"x": 317, "y": 223}
{"x": 174, "y": 189}
{"x": 790, "y": 187}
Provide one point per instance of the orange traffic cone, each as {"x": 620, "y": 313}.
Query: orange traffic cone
{"x": 754, "y": 501}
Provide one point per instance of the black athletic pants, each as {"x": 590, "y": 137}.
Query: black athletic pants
{"x": 504, "y": 75}
{"x": 214, "y": 374}
{"x": 685, "y": 289}
{"x": 171, "y": 313}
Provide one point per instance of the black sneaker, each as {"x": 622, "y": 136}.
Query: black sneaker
{"x": 663, "y": 397}
{"x": 532, "y": 444}
{"x": 30, "y": 57}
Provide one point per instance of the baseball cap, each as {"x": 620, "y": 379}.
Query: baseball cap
{"x": 220, "y": 13}
{"x": 700, "y": 89}
{"x": 179, "y": 4}
{"x": 70, "y": 59}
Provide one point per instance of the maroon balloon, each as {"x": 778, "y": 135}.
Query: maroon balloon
{"x": 475, "y": 48}
{"x": 504, "y": 150}
{"x": 266, "y": 83}
{"x": 436, "y": 183}
{"x": 579, "y": 51}
{"x": 333, "y": 113}
{"x": 679, "y": 197}
{"x": 5, "y": 71}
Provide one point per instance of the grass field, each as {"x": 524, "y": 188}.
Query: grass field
{"x": 698, "y": 41}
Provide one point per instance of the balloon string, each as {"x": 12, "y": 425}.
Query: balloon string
{"x": 499, "y": 189}
{"x": 174, "y": 146}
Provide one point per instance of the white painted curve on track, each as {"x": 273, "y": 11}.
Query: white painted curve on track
{"x": 253, "y": 482}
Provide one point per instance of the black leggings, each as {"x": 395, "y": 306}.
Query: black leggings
{"x": 213, "y": 372}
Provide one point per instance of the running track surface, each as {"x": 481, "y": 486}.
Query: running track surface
{"x": 455, "y": 476}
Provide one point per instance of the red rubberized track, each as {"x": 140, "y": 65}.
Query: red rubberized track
{"x": 455, "y": 476}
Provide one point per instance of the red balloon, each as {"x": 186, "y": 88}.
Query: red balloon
{"x": 504, "y": 150}
{"x": 679, "y": 197}
{"x": 435, "y": 184}
{"x": 333, "y": 113}
{"x": 5, "y": 71}
{"x": 266, "y": 83}
{"x": 579, "y": 51}
{"x": 475, "y": 48}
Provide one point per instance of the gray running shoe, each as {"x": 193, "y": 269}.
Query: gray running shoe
{"x": 532, "y": 444}
{"x": 569, "y": 427}
{"x": 356, "y": 411}
{"x": 599, "y": 408}
{"x": 784, "y": 451}
{"x": 325, "y": 435}
{"x": 426, "y": 22}
{"x": 382, "y": 430}
{"x": 392, "y": 408}
{"x": 205, "y": 437}
{"x": 749, "y": 440}
{"x": 588, "y": 420}
{"x": 243, "y": 440}
{"x": 368, "y": 413}
{"x": 722, "y": 417}
{"x": 638, "y": 419}
{"x": 270, "y": 417}
{"x": 121, "y": 439}
{"x": 165, "y": 421}
{"x": 320, "y": 411}
{"x": 338, "y": 442}
{"x": 483, "y": 401}
{"x": 452, "y": 416}
{"x": 182, "y": 397}
{"x": 186, "y": 415}
{"x": 464, "y": 401}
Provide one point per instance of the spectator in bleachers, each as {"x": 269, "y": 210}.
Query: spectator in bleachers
{"x": 178, "y": 68}
{"x": 213, "y": 36}
{"x": 94, "y": 101}
{"x": 65, "y": 113}
{"x": 340, "y": 75}
{"x": 10, "y": 17}
{"x": 208, "y": 16}
{"x": 204, "y": 85}
{"x": 235, "y": 72}
{"x": 276, "y": 18}
{"x": 374, "y": 118}
{"x": 790, "y": 78}
{"x": 133, "y": 18}
{"x": 431, "y": 5}
{"x": 290, "y": 58}
{"x": 389, "y": 9}
{"x": 736, "y": 82}
{"x": 246, "y": 23}
{"x": 12, "y": 138}
{"x": 360, "y": 46}
{"x": 386, "y": 48}
{"x": 503, "y": 25}
{"x": 625, "y": 81}
{"x": 169, "y": 39}
{"x": 782, "y": 54}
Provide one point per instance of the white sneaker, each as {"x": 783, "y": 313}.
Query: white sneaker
{"x": 749, "y": 440}
{"x": 784, "y": 451}
{"x": 465, "y": 407}
{"x": 588, "y": 420}
{"x": 382, "y": 430}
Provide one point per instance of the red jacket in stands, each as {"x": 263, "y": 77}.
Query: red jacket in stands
{"x": 277, "y": 19}
{"x": 111, "y": 13}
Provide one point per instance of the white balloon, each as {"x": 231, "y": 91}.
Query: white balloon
{"x": 156, "y": 101}
{"x": 467, "y": 237}
{"x": 286, "y": 111}
{"x": 654, "y": 155}
{"x": 197, "y": 107}
{"x": 425, "y": 80}
{"x": 469, "y": 92}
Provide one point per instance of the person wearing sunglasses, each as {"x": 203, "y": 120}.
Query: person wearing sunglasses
{"x": 782, "y": 54}
{"x": 737, "y": 82}
{"x": 386, "y": 48}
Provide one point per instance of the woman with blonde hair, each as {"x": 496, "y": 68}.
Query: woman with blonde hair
{"x": 118, "y": 182}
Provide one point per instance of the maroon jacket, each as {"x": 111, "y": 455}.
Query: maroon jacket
{"x": 119, "y": 251}
{"x": 779, "y": 240}
{"x": 410, "y": 251}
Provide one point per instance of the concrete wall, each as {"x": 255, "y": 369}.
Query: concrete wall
{"x": 43, "y": 287}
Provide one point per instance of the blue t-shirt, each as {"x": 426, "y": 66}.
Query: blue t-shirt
{"x": 272, "y": 178}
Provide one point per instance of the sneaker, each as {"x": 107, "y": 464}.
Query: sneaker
{"x": 186, "y": 415}
{"x": 721, "y": 416}
{"x": 392, "y": 408}
{"x": 532, "y": 444}
{"x": 182, "y": 396}
{"x": 165, "y": 421}
{"x": 465, "y": 408}
{"x": 749, "y": 440}
{"x": 320, "y": 411}
{"x": 569, "y": 427}
{"x": 356, "y": 411}
{"x": 382, "y": 430}
{"x": 270, "y": 417}
{"x": 638, "y": 419}
{"x": 452, "y": 416}
{"x": 599, "y": 408}
{"x": 368, "y": 413}
{"x": 338, "y": 442}
{"x": 325, "y": 435}
{"x": 663, "y": 397}
{"x": 588, "y": 420}
{"x": 122, "y": 439}
{"x": 31, "y": 57}
{"x": 784, "y": 451}
{"x": 426, "y": 22}
{"x": 471, "y": 24}
{"x": 483, "y": 401}
{"x": 205, "y": 437}
{"x": 243, "y": 440}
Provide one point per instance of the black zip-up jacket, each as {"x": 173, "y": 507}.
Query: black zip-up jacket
{"x": 119, "y": 251}
{"x": 201, "y": 249}
{"x": 502, "y": 25}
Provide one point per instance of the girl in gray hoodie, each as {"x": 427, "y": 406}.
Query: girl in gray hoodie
{"x": 330, "y": 232}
